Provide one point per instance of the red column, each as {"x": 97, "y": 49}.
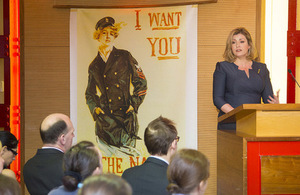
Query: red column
{"x": 14, "y": 21}
{"x": 292, "y": 50}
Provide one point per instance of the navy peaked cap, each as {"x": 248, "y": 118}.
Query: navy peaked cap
{"x": 104, "y": 22}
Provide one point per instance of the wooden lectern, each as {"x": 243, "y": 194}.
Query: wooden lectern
{"x": 263, "y": 155}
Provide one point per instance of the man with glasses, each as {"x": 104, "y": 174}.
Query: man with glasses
{"x": 43, "y": 172}
{"x": 151, "y": 177}
{"x": 8, "y": 151}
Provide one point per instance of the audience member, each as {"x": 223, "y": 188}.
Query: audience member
{"x": 188, "y": 173}
{"x": 81, "y": 161}
{"x": 9, "y": 186}
{"x": 1, "y": 159}
{"x": 44, "y": 171}
{"x": 151, "y": 177}
{"x": 105, "y": 184}
{"x": 1, "y": 164}
{"x": 8, "y": 152}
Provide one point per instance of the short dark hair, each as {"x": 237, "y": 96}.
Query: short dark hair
{"x": 50, "y": 135}
{"x": 159, "y": 135}
{"x": 8, "y": 139}
{"x": 108, "y": 184}
{"x": 187, "y": 168}
{"x": 81, "y": 159}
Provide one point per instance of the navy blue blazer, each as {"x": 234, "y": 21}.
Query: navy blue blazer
{"x": 149, "y": 178}
{"x": 231, "y": 85}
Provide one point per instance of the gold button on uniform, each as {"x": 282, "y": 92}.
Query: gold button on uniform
{"x": 116, "y": 73}
{"x": 119, "y": 98}
{"x": 104, "y": 76}
{"x": 109, "y": 100}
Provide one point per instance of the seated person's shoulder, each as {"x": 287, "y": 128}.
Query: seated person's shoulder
{"x": 130, "y": 171}
{"x": 9, "y": 173}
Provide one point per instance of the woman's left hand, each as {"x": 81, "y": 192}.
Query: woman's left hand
{"x": 275, "y": 98}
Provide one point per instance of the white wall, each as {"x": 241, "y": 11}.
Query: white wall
{"x": 276, "y": 26}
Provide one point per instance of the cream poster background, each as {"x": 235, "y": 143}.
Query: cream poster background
{"x": 164, "y": 43}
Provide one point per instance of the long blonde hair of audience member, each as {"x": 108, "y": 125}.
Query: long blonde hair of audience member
{"x": 105, "y": 184}
{"x": 9, "y": 186}
{"x": 81, "y": 161}
{"x": 188, "y": 172}
{"x": 228, "y": 53}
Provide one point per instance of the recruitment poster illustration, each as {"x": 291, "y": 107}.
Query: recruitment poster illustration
{"x": 128, "y": 67}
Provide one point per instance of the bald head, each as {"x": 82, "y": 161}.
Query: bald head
{"x": 54, "y": 126}
{"x": 52, "y": 119}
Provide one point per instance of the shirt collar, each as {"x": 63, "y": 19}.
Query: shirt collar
{"x": 157, "y": 157}
{"x": 105, "y": 58}
{"x": 52, "y": 148}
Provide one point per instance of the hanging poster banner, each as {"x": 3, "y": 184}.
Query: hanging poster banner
{"x": 128, "y": 67}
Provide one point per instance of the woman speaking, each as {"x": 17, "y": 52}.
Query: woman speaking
{"x": 240, "y": 79}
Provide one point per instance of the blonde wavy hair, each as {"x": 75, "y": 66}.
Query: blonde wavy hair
{"x": 116, "y": 29}
{"x": 228, "y": 54}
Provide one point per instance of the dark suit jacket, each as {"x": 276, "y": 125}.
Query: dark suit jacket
{"x": 149, "y": 178}
{"x": 43, "y": 172}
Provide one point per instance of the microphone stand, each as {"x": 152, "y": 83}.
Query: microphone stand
{"x": 290, "y": 71}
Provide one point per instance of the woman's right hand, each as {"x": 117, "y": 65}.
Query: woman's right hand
{"x": 226, "y": 108}
{"x": 274, "y": 99}
{"x": 99, "y": 110}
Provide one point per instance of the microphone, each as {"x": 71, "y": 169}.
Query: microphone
{"x": 290, "y": 71}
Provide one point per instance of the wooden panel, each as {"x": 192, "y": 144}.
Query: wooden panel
{"x": 231, "y": 167}
{"x": 247, "y": 124}
{"x": 246, "y": 109}
{"x": 47, "y": 89}
{"x": 266, "y": 120}
{"x": 123, "y": 3}
{"x": 260, "y": 28}
{"x": 45, "y": 26}
{"x": 280, "y": 174}
{"x": 217, "y": 20}
{"x": 271, "y": 124}
{"x": 266, "y": 139}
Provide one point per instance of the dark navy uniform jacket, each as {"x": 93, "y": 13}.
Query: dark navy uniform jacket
{"x": 109, "y": 87}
